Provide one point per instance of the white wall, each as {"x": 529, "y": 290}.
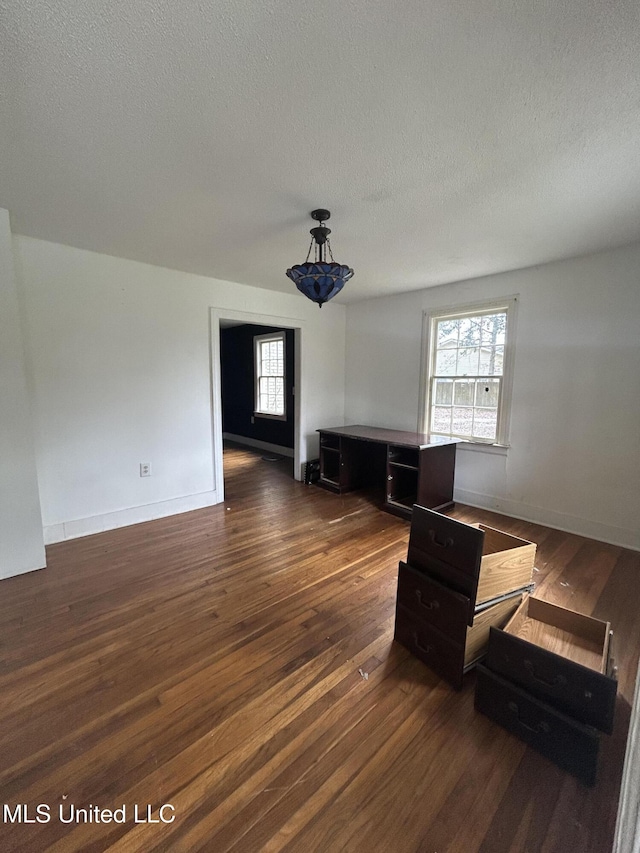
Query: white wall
{"x": 21, "y": 542}
{"x": 574, "y": 460}
{"x": 119, "y": 358}
{"x": 118, "y": 362}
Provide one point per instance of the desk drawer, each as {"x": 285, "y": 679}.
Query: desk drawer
{"x": 560, "y": 657}
{"x": 451, "y": 547}
{"x": 451, "y": 656}
{"x": 431, "y": 602}
{"x": 569, "y": 744}
{"x": 430, "y": 646}
{"x": 477, "y": 561}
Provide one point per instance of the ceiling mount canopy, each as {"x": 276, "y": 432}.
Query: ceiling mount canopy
{"x": 320, "y": 279}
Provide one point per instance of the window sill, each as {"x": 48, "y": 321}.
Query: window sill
{"x": 269, "y": 417}
{"x": 479, "y": 447}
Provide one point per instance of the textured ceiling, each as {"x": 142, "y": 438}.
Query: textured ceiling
{"x": 450, "y": 139}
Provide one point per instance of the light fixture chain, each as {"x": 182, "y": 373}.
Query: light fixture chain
{"x": 309, "y": 252}
{"x": 330, "y": 252}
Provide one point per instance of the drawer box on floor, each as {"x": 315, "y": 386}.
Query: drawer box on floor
{"x": 477, "y": 561}
{"x": 454, "y": 653}
{"x": 443, "y": 608}
{"x": 559, "y": 656}
{"x": 568, "y": 743}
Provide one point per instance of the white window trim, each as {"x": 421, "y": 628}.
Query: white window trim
{"x": 257, "y": 340}
{"x": 429, "y": 319}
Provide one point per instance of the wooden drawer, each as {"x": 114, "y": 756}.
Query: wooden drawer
{"x": 569, "y": 744}
{"x": 449, "y": 657}
{"x": 428, "y": 600}
{"x": 475, "y": 560}
{"x": 559, "y": 656}
{"x": 430, "y": 646}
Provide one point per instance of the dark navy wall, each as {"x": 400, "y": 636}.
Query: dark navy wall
{"x": 237, "y": 371}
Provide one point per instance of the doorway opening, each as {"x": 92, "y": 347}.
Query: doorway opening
{"x": 239, "y": 417}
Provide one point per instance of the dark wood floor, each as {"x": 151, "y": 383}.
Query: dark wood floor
{"x": 237, "y": 663}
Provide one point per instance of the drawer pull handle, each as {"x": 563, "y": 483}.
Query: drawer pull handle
{"x": 556, "y": 681}
{"x": 540, "y": 728}
{"x": 428, "y": 605}
{"x": 424, "y": 649}
{"x": 447, "y": 543}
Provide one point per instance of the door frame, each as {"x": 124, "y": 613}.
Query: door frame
{"x": 217, "y": 315}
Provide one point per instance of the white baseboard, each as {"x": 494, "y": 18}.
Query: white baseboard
{"x": 124, "y": 517}
{"x": 134, "y": 515}
{"x": 550, "y": 518}
{"x": 627, "y": 838}
{"x": 259, "y": 445}
{"x": 13, "y": 573}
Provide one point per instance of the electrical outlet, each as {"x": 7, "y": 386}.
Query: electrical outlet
{"x": 145, "y": 469}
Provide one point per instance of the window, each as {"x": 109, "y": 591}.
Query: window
{"x": 469, "y": 372}
{"x": 269, "y": 355}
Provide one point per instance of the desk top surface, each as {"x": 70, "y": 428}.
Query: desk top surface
{"x": 390, "y": 436}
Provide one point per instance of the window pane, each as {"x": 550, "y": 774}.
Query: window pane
{"x": 446, "y": 363}
{"x": 463, "y": 393}
{"x": 491, "y": 361}
{"x": 441, "y": 419}
{"x": 271, "y": 358}
{"x": 468, "y": 358}
{"x": 447, "y": 334}
{"x": 461, "y": 420}
{"x": 470, "y": 328}
{"x": 444, "y": 392}
{"x": 494, "y": 328}
{"x": 487, "y": 393}
{"x": 272, "y": 395}
{"x": 485, "y": 423}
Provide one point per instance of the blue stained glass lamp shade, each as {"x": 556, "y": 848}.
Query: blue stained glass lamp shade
{"x": 320, "y": 281}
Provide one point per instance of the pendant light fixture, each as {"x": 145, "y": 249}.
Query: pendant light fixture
{"x": 320, "y": 279}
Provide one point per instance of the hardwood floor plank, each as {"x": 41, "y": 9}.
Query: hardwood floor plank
{"x": 238, "y": 663}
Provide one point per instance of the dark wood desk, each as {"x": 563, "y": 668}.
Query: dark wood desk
{"x": 413, "y": 466}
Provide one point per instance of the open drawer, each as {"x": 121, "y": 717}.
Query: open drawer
{"x": 454, "y": 653}
{"x": 472, "y": 559}
{"x": 560, "y": 738}
{"x": 559, "y": 656}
